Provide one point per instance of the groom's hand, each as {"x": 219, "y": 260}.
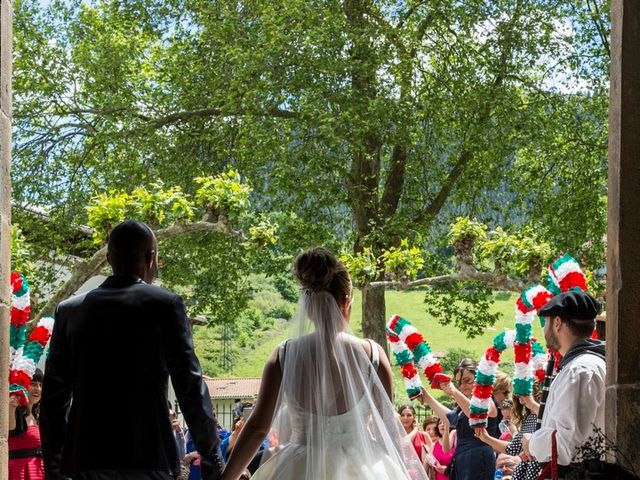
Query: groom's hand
{"x": 211, "y": 466}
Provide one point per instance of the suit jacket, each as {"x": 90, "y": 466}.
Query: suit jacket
{"x": 104, "y": 410}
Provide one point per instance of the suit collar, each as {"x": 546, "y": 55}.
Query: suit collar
{"x": 121, "y": 280}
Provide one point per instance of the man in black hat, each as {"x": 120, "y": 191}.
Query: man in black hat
{"x": 118, "y": 345}
{"x": 575, "y": 406}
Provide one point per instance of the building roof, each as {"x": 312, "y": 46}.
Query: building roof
{"x": 220, "y": 388}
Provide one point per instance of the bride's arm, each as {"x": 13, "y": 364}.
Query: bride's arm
{"x": 384, "y": 372}
{"x": 257, "y": 426}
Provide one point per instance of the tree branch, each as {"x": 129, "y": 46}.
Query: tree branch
{"x": 595, "y": 17}
{"x": 217, "y": 112}
{"x": 437, "y": 203}
{"x": 492, "y": 280}
{"x": 176, "y": 117}
{"x": 86, "y": 269}
{"x": 395, "y": 181}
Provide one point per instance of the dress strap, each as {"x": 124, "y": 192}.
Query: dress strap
{"x": 375, "y": 354}
{"x": 281, "y": 351}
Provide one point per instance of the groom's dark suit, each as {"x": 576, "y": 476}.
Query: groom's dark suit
{"x": 104, "y": 399}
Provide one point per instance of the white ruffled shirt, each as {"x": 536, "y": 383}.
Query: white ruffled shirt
{"x": 575, "y": 404}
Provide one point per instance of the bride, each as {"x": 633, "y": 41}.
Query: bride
{"x": 326, "y": 395}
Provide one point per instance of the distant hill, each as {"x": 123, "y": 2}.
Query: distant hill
{"x": 407, "y": 304}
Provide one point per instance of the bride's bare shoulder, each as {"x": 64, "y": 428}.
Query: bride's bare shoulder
{"x": 359, "y": 342}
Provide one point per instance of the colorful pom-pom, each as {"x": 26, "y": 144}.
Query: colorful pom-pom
{"x": 410, "y": 350}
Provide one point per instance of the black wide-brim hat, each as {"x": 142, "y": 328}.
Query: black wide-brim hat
{"x": 573, "y": 305}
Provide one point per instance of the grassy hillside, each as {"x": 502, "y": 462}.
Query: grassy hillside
{"x": 408, "y": 304}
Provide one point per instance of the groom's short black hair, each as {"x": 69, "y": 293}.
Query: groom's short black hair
{"x": 129, "y": 244}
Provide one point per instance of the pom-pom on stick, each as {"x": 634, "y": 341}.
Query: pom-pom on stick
{"x": 408, "y": 346}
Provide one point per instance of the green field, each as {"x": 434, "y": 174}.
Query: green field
{"x": 411, "y": 306}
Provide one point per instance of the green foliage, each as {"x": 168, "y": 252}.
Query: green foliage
{"x": 465, "y": 304}
{"x": 515, "y": 254}
{"x": 286, "y": 287}
{"x": 263, "y": 233}
{"x": 403, "y": 261}
{"x": 362, "y": 266}
{"x": 356, "y": 122}
{"x": 465, "y": 227}
{"x": 501, "y": 248}
{"x": 106, "y": 211}
{"x": 267, "y": 299}
{"x": 265, "y": 315}
{"x": 21, "y": 254}
{"x": 224, "y": 193}
{"x": 162, "y": 206}
{"x": 595, "y": 285}
{"x": 216, "y": 285}
{"x": 453, "y": 358}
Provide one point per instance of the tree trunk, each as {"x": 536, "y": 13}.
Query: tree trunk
{"x": 373, "y": 314}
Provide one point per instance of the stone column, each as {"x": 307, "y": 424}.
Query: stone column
{"x": 623, "y": 255}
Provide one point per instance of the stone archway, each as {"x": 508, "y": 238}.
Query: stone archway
{"x": 623, "y": 237}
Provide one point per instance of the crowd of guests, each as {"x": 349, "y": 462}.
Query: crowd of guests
{"x": 190, "y": 463}
{"x": 434, "y": 444}
{"x": 449, "y": 448}
{"x": 446, "y": 445}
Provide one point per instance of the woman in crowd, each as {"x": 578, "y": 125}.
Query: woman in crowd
{"x": 429, "y": 426}
{"x": 472, "y": 458}
{"x": 25, "y": 454}
{"x": 507, "y": 427}
{"x": 502, "y": 388}
{"x": 524, "y": 415}
{"x": 334, "y": 390}
{"x": 443, "y": 449}
{"x": 419, "y": 440}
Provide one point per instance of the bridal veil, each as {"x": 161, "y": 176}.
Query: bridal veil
{"x": 333, "y": 417}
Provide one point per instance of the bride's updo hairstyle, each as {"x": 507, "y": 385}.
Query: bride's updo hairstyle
{"x": 318, "y": 270}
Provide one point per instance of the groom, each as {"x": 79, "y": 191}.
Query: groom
{"x": 104, "y": 400}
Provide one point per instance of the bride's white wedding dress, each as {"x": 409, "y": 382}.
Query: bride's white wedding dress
{"x": 359, "y": 439}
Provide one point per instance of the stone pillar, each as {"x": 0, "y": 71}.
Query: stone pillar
{"x": 623, "y": 254}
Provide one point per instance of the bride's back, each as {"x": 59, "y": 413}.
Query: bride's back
{"x": 327, "y": 376}
{"x": 332, "y": 415}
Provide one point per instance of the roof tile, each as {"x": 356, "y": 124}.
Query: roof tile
{"x": 232, "y": 387}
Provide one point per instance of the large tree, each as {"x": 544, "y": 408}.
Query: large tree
{"x": 359, "y": 123}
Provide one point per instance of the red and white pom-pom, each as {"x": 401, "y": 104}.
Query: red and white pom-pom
{"x": 567, "y": 274}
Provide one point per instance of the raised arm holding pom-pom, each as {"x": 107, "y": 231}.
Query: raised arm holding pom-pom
{"x": 529, "y": 402}
{"x": 472, "y": 458}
